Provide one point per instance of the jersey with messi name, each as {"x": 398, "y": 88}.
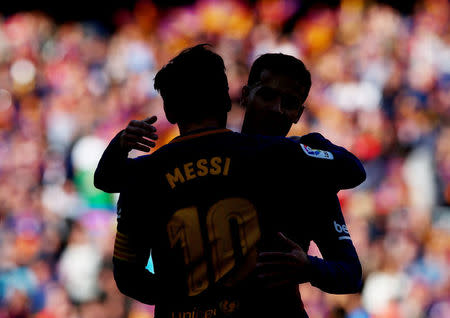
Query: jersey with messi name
{"x": 206, "y": 203}
{"x": 343, "y": 170}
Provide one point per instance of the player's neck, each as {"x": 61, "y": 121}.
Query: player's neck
{"x": 209, "y": 123}
{"x": 252, "y": 127}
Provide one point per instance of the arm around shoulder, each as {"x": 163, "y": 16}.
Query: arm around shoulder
{"x": 345, "y": 168}
{"x": 129, "y": 262}
{"x": 109, "y": 173}
{"x": 340, "y": 271}
{"x": 339, "y": 276}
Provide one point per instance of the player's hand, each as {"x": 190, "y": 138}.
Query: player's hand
{"x": 276, "y": 269}
{"x": 139, "y": 135}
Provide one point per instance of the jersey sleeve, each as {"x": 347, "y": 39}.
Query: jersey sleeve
{"x": 111, "y": 169}
{"x": 131, "y": 256}
{"x": 343, "y": 169}
{"x": 339, "y": 272}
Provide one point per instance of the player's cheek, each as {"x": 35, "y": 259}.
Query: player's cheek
{"x": 260, "y": 104}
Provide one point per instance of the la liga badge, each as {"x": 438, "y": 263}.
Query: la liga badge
{"x": 317, "y": 153}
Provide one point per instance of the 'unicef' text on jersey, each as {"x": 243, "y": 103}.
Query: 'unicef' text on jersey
{"x": 316, "y": 153}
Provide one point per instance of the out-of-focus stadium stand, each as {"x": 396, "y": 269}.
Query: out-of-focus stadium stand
{"x": 381, "y": 88}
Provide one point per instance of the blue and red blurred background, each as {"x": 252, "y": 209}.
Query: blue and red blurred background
{"x": 72, "y": 76}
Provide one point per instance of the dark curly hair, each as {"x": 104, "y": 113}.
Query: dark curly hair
{"x": 282, "y": 64}
{"x": 194, "y": 85}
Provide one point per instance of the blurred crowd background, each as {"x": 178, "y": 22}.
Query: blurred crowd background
{"x": 381, "y": 88}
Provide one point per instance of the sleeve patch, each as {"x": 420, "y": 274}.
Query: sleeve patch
{"x": 316, "y": 153}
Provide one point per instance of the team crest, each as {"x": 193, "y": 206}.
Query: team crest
{"x": 316, "y": 153}
{"x": 228, "y": 306}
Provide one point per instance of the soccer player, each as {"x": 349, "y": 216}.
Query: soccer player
{"x": 208, "y": 200}
{"x": 276, "y": 89}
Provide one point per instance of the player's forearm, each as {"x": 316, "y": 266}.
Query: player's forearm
{"x": 339, "y": 271}
{"x": 336, "y": 276}
{"x": 351, "y": 172}
{"x": 111, "y": 168}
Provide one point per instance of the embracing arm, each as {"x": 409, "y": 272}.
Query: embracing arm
{"x": 343, "y": 167}
{"x": 339, "y": 272}
{"x": 114, "y": 163}
{"x": 129, "y": 260}
{"x": 320, "y": 220}
{"x": 109, "y": 175}
{"x": 133, "y": 279}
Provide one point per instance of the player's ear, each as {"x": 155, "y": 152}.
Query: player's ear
{"x": 170, "y": 115}
{"x": 244, "y": 96}
{"x": 227, "y": 103}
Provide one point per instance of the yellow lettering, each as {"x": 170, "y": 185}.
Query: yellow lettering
{"x": 188, "y": 170}
{"x": 201, "y": 165}
{"x": 217, "y": 169}
{"x": 227, "y": 166}
{"x": 177, "y": 177}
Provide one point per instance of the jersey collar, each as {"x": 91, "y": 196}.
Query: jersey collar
{"x": 199, "y": 133}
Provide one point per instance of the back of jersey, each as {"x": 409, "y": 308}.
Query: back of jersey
{"x": 204, "y": 204}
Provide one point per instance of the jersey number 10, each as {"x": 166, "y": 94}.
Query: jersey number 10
{"x": 184, "y": 227}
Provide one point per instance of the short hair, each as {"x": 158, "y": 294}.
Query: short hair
{"x": 281, "y": 64}
{"x": 194, "y": 85}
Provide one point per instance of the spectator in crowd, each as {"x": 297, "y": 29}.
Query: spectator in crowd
{"x": 380, "y": 89}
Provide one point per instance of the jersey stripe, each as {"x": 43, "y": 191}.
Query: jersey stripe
{"x": 123, "y": 250}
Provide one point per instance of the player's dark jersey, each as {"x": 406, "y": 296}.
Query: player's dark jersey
{"x": 343, "y": 169}
{"x": 205, "y": 204}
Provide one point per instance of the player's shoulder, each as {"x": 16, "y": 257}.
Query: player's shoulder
{"x": 267, "y": 142}
{"x": 311, "y": 139}
{"x": 136, "y": 163}
{"x": 313, "y": 145}
{"x": 276, "y": 150}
